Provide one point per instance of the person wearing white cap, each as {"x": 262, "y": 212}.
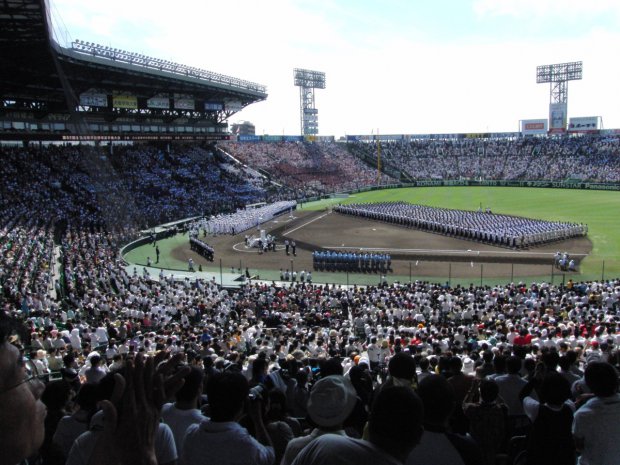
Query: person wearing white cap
{"x": 331, "y": 401}
{"x": 394, "y": 430}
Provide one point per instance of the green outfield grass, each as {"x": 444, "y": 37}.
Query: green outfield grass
{"x": 600, "y": 210}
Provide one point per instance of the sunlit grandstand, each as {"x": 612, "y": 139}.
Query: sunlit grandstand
{"x": 137, "y": 223}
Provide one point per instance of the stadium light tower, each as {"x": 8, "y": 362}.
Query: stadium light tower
{"x": 307, "y": 81}
{"x": 558, "y": 76}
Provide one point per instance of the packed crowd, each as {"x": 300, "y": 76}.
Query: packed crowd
{"x": 504, "y": 230}
{"x": 310, "y": 168}
{"x": 383, "y": 374}
{"x": 486, "y": 352}
{"x": 587, "y": 158}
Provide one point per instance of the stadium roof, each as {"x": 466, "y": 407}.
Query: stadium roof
{"x": 38, "y": 75}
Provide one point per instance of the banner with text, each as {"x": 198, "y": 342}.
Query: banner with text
{"x": 214, "y": 106}
{"x": 248, "y": 138}
{"x": 129, "y": 102}
{"x": 184, "y": 104}
{"x": 158, "y": 102}
{"x": 93, "y": 100}
{"x": 583, "y": 124}
{"x": 533, "y": 126}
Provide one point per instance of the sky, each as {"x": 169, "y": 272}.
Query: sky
{"x": 391, "y": 66}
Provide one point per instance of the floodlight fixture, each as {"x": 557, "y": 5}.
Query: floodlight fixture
{"x": 558, "y": 75}
{"x": 559, "y": 72}
{"x": 309, "y": 78}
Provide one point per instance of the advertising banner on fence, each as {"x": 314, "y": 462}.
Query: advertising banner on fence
{"x": 125, "y": 101}
{"x": 504, "y": 135}
{"x": 557, "y": 117}
{"x": 93, "y": 100}
{"x": 416, "y": 136}
{"x": 583, "y": 124}
{"x": 184, "y": 104}
{"x": 158, "y": 102}
{"x": 389, "y": 137}
{"x": 248, "y": 138}
{"x": 533, "y": 126}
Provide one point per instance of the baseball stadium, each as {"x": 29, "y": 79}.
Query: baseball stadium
{"x": 138, "y": 225}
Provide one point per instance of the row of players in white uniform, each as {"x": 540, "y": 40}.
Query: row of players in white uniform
{"x": 241, "y": 220}
{"x": 504, "y": 230}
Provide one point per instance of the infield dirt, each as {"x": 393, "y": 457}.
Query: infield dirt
{"x": 420, "y": 252}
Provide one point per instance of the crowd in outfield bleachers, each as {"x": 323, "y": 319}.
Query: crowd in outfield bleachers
{"x": 588, "y": 158}
{"x": 486, "y": 363}
{"x": 312, "y": 169}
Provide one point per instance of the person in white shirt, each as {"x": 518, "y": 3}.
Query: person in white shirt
{"x": 374, "y": 353}
{"x": 72, "y": 426}
{"x": 221, "y": 439}
{"x": 183, "y": 413}
{"x": 596, "y": 428}
{"x": 95, "y": 372}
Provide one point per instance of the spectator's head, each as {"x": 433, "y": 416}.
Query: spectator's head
{"x": 402, "y": 366}
{"x": 513, "y": 365}
{"x": 499, "y": 363}
{"x": 456, "y": 365}
{"x": 331, "y": 366}
{"x": 277, "y": 404}
{"x": 22, "y": 413}
{"x": 551, "y": 359}
{"x": 192, "y": 387}
{"x": 564, "y": 363}
{"x": 395, "y": 421}
{"x": 227, "y": 393}
{"x": 56, "y": 395}
{"x": 86, "y": 397}
{"x": 555, "y": 389}
{"x": 259, "y": 369}
{"x": 489, "y": 390}
{"x": 438, "y": 398}
{"x": 602, "y": 379}
{"x": 331, "y": 401}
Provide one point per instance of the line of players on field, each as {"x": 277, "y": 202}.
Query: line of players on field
{"x": 201, "y": 247}
{"x": 330, "y": 260}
